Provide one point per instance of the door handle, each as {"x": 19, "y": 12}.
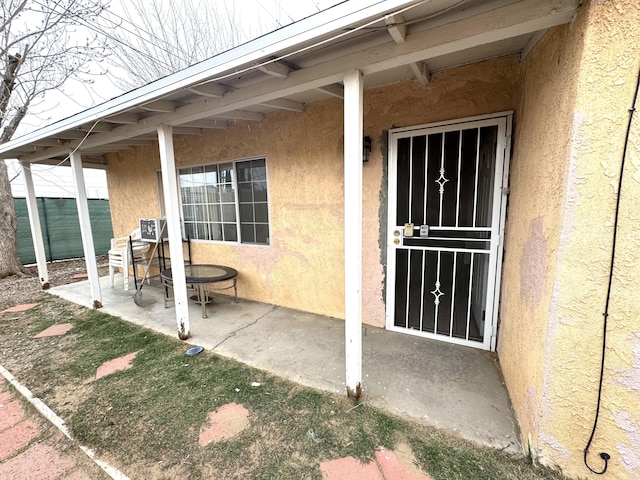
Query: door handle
{"x": 396, "y": 235}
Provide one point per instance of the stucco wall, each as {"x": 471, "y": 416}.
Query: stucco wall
{"x": 538, "y": 178}
{"x": 304, "y": 266}
{"x": 571, "y": 96}
{"x": 477, "y": 89}
{"x": 577, "y": 87}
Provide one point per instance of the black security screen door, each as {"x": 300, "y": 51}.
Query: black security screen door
{"x": 445, "y": 224}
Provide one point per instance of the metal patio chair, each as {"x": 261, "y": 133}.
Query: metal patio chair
{"x": 120, "y": 256}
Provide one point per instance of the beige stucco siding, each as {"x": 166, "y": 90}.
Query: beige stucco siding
{"x": 538, "y": 178}
{"x": 478, "y": 89}
{"x": 133, "y": 190}
{"x": 303, "y": 268}
{"x": 606, "y": 84}
{"x": 571, "y": 97}
{"x": 577, "y": 87}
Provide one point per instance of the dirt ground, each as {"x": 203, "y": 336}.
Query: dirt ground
{"x": 17, "y": 290}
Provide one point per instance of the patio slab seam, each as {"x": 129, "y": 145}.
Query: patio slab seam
{"x": 233, "y": 334}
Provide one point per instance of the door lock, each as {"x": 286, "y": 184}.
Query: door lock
{"x": 408, "y": 229}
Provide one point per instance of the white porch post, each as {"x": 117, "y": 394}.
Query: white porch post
{"x": 36, "y": 231}
{"x": 172, "y": 210}
{"x": 85, "y": 228}
{"x": 353, "y": 88}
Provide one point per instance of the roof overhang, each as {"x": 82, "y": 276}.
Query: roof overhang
{"x": 388, "y": 40}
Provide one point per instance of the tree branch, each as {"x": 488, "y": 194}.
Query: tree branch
{"x": 12, "y": 16}
{"x": 10, "y": 128}
{"x": 8, "y": 82}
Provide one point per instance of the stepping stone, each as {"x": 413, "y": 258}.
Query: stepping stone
{"x": 40, "y": 462}
{"x": 55, "y": 330}
{"x": 21, "y": 308}
{"x": 226, "y": 422}
{"x": 17, "y": 437}
{"x": 4, "y": 397}
{"x": 115, "y": 365}
{"x": 80, "y": 276}
{"x": 386, "y": 466}
{"x": 393, "y": 468}
{"x": 349, "y": 467}
{"x": 11, "y": 413}
{"x": 77, "y": 475}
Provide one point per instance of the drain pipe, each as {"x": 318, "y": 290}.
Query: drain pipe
{"x": 604, "y": 455}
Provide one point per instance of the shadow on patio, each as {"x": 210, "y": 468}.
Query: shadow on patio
{"x": 448, "y": 386}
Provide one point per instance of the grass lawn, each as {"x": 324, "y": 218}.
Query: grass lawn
{"x": 146, "y": 420}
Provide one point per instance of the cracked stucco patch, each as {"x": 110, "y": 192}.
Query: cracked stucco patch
{"x": 554, "y": 444}
{"x": 629, "y": 454}
{"x": 533, "y": 264}
{"x": 630, "y": 379}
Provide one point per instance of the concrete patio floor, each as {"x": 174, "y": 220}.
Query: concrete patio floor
{"x": 447, "y": 386}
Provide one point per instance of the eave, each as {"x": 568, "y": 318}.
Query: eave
{"x": 388, "y": 41}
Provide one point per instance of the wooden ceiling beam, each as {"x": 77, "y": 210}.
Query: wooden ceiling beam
{"x": 187, "y": 131}
{"x": 421, "y": 72}
{"x": 124, "y": 118}
{"x": 241, "y": 115}
{"x": 217, "y": 124}
{"x": 97, "y": 128}
{"x": 50, "y": 142}
{"x": 334, "y": 90}
{"x": 211, "y": 89}
{"x": 398, "y": 31}
{"x": 276, "y": 69}
{"x": 285, "y": 104}
{"x": 72, "y": 134}
{"x": 132, "y": 141}
{"x": 160, "y": 106}
{"x": 396, "y": 28}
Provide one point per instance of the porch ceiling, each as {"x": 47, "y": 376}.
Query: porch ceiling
{"x": 390, "y": 41}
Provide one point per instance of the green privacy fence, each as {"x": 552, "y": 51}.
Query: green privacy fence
{"x": 61, "y": 228}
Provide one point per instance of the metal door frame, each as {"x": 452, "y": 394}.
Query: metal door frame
{"x": 503, "y": 120}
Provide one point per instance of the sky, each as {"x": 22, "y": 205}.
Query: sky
{"x": 57, "y": 182}
{"x": 258, "y": 17}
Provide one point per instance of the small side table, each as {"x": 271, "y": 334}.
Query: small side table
{"x": 202, "y": 275}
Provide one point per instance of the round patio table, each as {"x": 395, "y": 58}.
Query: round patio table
{"x": 202, "y": 275}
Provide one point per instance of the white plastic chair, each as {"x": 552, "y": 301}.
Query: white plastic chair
{"x": 120, "y": 256}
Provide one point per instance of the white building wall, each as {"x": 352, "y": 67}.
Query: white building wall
{"x": 57, "y": 182}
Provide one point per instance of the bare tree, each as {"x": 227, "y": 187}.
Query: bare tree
{"x": 154, "y": 38}
{"x": 41, "y": 47}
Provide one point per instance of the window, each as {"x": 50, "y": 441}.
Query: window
{"x": 226, "y": 202}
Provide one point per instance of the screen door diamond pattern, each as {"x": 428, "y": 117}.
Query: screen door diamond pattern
{"x": 445, "y": 224}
